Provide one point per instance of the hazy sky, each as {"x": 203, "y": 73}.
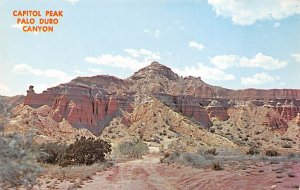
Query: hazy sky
{"x": 230, "y": 43}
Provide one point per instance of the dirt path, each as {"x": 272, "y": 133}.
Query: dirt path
{"x": 133, "y": 175}
{"x": 150, "y": 174}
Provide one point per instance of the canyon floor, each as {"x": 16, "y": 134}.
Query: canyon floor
{"x": 150, "y": 174}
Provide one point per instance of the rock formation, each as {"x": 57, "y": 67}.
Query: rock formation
{"x": 158, "y": 124}
{"x": 6, "y": 105}
{"x": 93, "y": 102}
{"x": 80, "y": 105}
{"x": 39, "y": 121}
{"x": 217, "y": 110}
{"x": 298, "y": 119}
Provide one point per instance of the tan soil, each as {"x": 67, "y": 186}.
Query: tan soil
{"x": 150, "y": 174}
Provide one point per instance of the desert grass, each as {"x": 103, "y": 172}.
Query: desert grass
{"x": 233, "y": 160}
{"x": 82, "y": 172}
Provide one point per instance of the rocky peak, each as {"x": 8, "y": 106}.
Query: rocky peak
{"x": 92, "y": 102}
{"x": 155, "y": 70}
{"x": 103, "y": 80}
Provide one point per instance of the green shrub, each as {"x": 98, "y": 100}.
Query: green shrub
{"x": 18, "y": 163}
{"x": 252, "y": 151}
{"x": 272, "y": 152}
{"x": 216, "y": 165}
{"x": 208, "y": 151}
{"x": 134, "y": 149}
{"x": 191, "y": 159}
{"x": 85, "y": 151}
{"x": 212, "y": 151}
{"x": 51, "y": 153}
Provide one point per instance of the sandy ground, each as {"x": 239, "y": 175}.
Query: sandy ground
{"x": 150, "y": 174}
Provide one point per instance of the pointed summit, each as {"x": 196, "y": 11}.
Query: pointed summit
{"x": 156, "y": 64}
{"x": 155, "y": 70}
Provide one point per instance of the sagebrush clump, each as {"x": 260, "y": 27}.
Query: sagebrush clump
{"x": 252, "y": 151}
{"x": 198, "y": 160}
{"x": 216, "y": 165}
{"x": 134, "y": 149}
{"x": 18, "y": 162}
{"x": 52, "y": 153}
{"x": 272, "y": 152}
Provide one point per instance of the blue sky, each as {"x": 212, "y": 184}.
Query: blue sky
{"x": 231, "y": 43}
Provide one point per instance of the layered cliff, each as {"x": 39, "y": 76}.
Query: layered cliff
{"x": 92, "y": 102}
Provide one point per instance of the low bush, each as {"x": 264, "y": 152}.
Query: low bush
{"x": 193, "y": 159}
{"x": 78, "y": 171}
{"x": 85, "y": 151}
{"x": 216, "y": 165}
{"x": 190, "y": 159}
{"x": 272, "y": 152}
{"x": 252, "y": 151}
{"x": 18, "y": 163}
{"x": 51, "y": 153}
{"x": 208, "y": 152}
{"x": 134, "y": 149}
{"x": 212, "y": 151}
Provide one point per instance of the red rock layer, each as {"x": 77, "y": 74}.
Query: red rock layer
{"x": 253, "y": 94}
{"x": 217, "y": 112}
{"x": 288, "y": 112}
{"x": 274, "y": 121}
{"x": 298, "y": 119}
{"x": 92, "y": 102}
{"x": 77, "y": 105}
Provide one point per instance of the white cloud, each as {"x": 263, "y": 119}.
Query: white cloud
{"x": 225, "y": 61}
{"x": 263, "y": 61}
{"x": 196, "y": 45}
{"x": 296, "y": 57}
{"x": 72, "y": 1}
{"x": 118, "y": 61}
{"x": 257, "y": 79}
{"x": 206, "y": 73}
{"x": 17, "y": 26}
{"x": 24, "y": 69}
{"x": 259, "y": 61}
{"x": 154, "y": 33}
{"x": 276, "y": 24}
{"x": 4, "y": 90}
{"x": 250, "y": 11}
{"x": 137, "y": 59}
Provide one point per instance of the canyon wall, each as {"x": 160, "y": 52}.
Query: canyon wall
{"x": 92, "y": 102}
